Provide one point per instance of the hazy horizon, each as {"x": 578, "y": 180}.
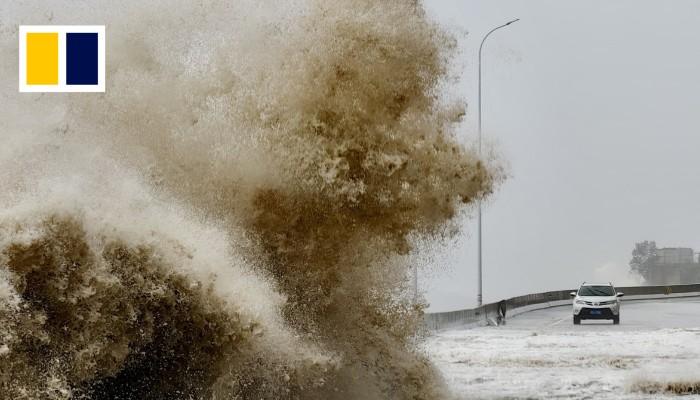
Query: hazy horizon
{"x": 593, "y": 105}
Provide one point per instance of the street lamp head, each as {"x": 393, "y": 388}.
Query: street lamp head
{"x": 515, "y": 20}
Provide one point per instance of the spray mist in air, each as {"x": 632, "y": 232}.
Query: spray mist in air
{"x": 231, "y": 219}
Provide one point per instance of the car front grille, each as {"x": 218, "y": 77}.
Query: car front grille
{"x": 602, "y": 303}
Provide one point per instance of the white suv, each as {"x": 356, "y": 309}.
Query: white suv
{"x": 596, "y": 301}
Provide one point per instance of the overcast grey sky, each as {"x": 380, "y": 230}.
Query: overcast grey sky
{"x": 596, "y": 107}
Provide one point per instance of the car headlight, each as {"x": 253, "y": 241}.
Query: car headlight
{"x": 580, "y": 302}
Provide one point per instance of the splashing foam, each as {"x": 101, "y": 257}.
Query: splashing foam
{"x": 678, "y": 380}
{"x": 232, "y": 218}
{"x": 679, "y": 387}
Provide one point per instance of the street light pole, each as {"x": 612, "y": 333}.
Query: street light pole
{"x": 479, "y": 296}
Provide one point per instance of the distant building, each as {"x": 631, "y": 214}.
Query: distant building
{"x": 674, "y": 256}
{"x": 665, "y": 266}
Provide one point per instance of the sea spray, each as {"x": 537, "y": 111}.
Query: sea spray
{"x": 110, "y": 295}
{"x": 295, "y": 147}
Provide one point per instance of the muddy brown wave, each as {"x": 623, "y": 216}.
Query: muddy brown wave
{"x": 232, "y": 218}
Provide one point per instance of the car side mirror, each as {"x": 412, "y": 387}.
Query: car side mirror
{"x": 572, "y": 294}
{"x": 620, "y": 294}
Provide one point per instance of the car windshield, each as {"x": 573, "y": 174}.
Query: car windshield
{"x": 596, "y": 291}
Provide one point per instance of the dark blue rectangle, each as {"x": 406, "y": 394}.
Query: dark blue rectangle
{"x": 81, "y": 58}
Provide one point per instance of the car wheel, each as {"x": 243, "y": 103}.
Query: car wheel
{"x": 616, "y": 320}
{"x": 577, "y": 320}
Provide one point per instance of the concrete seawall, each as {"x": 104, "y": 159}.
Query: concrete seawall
{"x": 488, "y": 313}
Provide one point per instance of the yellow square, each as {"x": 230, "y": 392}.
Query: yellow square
{"x": 42, "y": 58}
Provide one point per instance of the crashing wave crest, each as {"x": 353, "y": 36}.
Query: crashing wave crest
{"x": 231, "y": 218}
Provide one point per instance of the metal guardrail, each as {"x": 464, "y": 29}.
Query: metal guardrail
{"x": 488, "y": 313}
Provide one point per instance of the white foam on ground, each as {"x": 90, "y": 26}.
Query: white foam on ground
{"x": 543, "y": 355}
